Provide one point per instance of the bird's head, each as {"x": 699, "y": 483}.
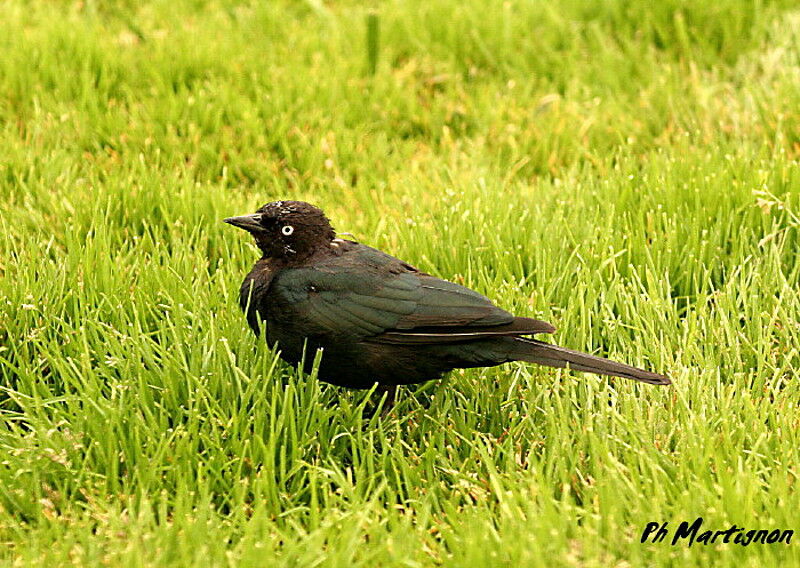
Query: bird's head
{"x": 287, "y": 229}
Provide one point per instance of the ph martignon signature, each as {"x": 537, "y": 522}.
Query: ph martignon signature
{"x": 658, "y": 532}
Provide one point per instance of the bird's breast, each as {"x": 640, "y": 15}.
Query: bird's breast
{"x": 254, "y": 290}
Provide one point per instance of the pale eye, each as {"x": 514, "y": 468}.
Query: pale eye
{"x": 287, "y": 230}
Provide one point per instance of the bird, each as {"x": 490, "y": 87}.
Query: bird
{"x": 378, "y": 320}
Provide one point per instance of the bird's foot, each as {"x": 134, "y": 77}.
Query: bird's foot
{"x": 388, "y": 401}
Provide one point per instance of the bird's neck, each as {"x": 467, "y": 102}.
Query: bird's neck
{"x": 302, "y": 257}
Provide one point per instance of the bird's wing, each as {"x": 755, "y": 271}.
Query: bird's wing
{"x": 371, "y": 295}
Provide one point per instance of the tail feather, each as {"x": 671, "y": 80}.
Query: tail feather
{"x": 535, "y": 351}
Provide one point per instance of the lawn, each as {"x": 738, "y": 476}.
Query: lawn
{"x": 627, "y": 170}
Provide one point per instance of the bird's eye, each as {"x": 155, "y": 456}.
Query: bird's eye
{"x": 287, "y": 230}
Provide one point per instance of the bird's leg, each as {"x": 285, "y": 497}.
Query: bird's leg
{"x": 391, "y": 393}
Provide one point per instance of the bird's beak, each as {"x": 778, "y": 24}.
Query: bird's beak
{"x": 250, "y": 223}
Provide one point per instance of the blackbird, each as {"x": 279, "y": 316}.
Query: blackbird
{"x": 376, "y": 318}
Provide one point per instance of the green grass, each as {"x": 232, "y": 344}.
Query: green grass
{"x": 625, "y": 170}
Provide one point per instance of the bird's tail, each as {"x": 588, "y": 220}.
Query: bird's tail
{"x": 543, "y": 353}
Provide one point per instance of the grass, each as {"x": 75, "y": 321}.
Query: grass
{"x": 625, "y": 170}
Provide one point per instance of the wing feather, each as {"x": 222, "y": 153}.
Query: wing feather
{"x": 369, "y": 295}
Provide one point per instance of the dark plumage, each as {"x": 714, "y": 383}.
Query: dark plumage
{"x": 376, "y": 318}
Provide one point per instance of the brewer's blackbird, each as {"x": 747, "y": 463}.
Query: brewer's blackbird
{"x": 376, "y": 318}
